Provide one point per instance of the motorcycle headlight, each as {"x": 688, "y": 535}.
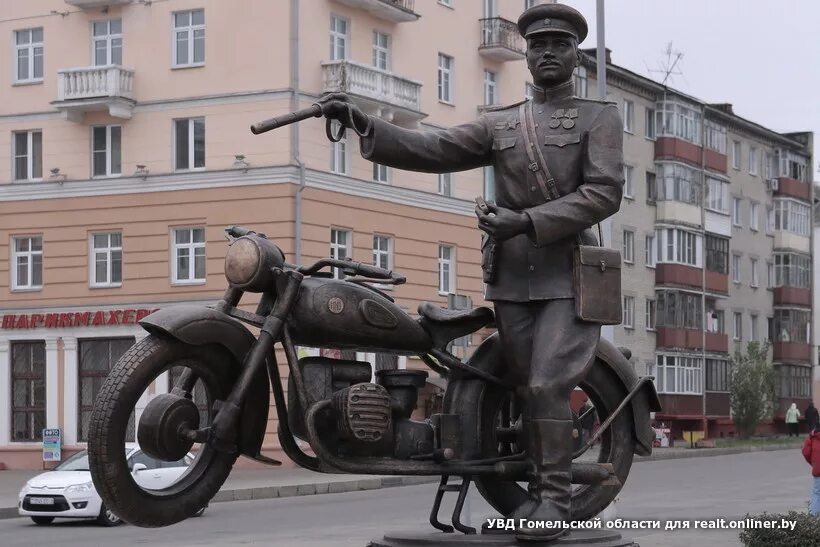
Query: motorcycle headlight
{"x": 249, "y": 260}
{"x": 80, "y": 488}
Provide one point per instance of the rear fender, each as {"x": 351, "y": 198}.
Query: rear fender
{"x": 197, "y": 326}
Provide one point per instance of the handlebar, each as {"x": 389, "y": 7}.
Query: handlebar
{"x": 354, "y": 268}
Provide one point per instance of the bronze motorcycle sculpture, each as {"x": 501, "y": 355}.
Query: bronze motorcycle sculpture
{"x": 219, "y": 403}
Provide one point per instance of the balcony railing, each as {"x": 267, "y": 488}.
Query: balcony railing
{"x": 500, "y": 39}
{"x": 382, "y": 91}
{"x": 108, "y": 87}
{"x": 396, "y": 11}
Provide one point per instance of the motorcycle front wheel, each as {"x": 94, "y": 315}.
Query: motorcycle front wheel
{"x": 129, "y": 493}
{"x": 491, "y": 431}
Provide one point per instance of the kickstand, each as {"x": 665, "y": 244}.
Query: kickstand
{"x": 462, "y": 490}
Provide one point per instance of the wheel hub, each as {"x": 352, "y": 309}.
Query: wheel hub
{"x": 162, "y": 424}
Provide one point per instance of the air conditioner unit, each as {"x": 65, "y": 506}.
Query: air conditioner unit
{"x": 774, "y": 184}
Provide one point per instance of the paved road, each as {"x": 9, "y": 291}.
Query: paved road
{"x": 721, "y": 486}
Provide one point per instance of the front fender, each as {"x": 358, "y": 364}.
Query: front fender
{"x": 197, "y": 326}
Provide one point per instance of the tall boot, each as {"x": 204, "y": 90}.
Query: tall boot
{"x": 550, "y": 450}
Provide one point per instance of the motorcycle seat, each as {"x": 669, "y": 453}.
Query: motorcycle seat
{"x": 444, "y": 325}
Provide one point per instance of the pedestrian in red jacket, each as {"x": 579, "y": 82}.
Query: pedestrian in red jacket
{"x": 811, "y": 451}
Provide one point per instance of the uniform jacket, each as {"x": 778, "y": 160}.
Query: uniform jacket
{"x": 811, "y": 452}
{"x": 581, "y": 142}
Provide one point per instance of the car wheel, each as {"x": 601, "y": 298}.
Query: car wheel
{"x": 107, "y": 517}
{"x": 44, "y": 521}
{"x": 200, "y": 512}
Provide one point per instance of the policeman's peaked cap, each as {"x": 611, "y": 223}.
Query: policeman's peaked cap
{"x": 553, "y": 18}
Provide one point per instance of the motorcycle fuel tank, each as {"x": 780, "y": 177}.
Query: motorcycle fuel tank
{"x": 340, "y": 314}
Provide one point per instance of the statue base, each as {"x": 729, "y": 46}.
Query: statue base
{"x": 596, "y": 538}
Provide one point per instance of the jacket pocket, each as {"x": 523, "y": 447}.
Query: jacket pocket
{"x": 562, "y": 140}
{"x": 503, "y": 143}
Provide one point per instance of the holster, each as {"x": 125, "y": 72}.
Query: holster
{"x": 489, "y": 259}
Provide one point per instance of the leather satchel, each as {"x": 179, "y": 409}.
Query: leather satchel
{"x": 596, "y": 270}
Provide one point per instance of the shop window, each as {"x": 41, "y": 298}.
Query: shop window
{"x": 28, "y": 390}
{"x": 96, "y": 359}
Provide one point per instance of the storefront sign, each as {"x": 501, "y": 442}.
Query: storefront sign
{"x": 52, "y": 445}
{"x": 74, "y": 319}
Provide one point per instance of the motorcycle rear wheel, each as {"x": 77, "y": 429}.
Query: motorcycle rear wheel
{"x": 133, "y": 373}
{"x": 481, "y": 440}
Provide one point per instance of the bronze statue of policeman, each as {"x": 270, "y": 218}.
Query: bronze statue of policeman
{"x": 550, "y": 349}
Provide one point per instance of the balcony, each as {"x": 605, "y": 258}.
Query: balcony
{"x": 714, "y": 160}
{"x": 787, "y": 240}
{"x": 791, "y": 352}
{"x": 91, "y": 4}
{"x": 794, "y": 296}
{"x": 395, "y": 11}
{"x": 96, "y": 88}
{"x": 679, "y": 338}
{"x": 376, "y": 91}
{"x": 680, "y": 407}
{"x": 717, "y": 404}
{"x": 717, "y": 282}
{"x": 673, "y": 148}
{"x": 678, "y": 275}
{"x": 500, "y": 40}
{"x": 793, "y": 188}
{"x": 677, "y": 212}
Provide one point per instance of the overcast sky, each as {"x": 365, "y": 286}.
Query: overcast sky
{"x": 762, "y": 56}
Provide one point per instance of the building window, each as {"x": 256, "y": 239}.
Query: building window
{"x": 678, "y": 309}
{"x": 769, "y": 220}
{"x": 27, "y": 260}
{"x": 678, "y": 182}
{"x": 340, "y": 241}
{"x": 581, "y": 82}
{"x": 736, "y": 154}
{"x": 380, "y": 173}
{"x": 28, "y": 390}
{"x": 446, "y": 270}
{"x": 679, "y": 374}
{"x": 649, "y": 250}
{"x": 717, "y": 195}
{"x": 793, "y": 381}
{"x": 445, "y": 184}
{"x": 755, "y": 280}
{"x": 717, "y": 375}
{"x": 530, "y": 3}
{"x": 189, "y": 136}
{"x": 738, "y": 325}
{"x": 649, "y": 314}
{"x": 677, "y": 120}
{"x": 106, "y": 150}
{"x": 717, "y": 254}
{"x": 753, "y": 216}
{"x": 753, "y": 328}
{"x": 96, "y": 359}
{"x": 715, "y": 137}
{"x": 651, "y": 187}
{"x": 28, "y": 55}
{"x": 189, "y": 38}
{"x": 629, "y": 246}
{"x": 490, "y": 92}
{"x": 338, "y": 152}
{"x": 769, "y": 167}
{"x": 189, "y": 255}
{"x": 752, "y": 160}
{"x": 28, "y": 155}
{"x": 792, "y": 325}
{"x": 489, "y": 183}
{"x": 679, "y": 247}
{"x": 448, "y": 3}
{"x": 769, "y": 275}
{"x": 445, "y": 78}
{"x": 792, "y": 216}
{"x": 736, "y": 268}
{"x": 628, "y": 318}
{"x": 649, "y": 130}
{"x": 794, "y": 166}
{"x": 106, "y": 260}
{"x": 792, "y": 270}
{"x": 106, "y": 39}
{"x": 736, "y": 212}
{"x": 714, "y": 317}
{"x": 629, "y": 115}
{"x": 381, "y": 50}
{"x": 383, "y": 252}
{"x": 338, "y": 38}
{"x": 628, "y": 184}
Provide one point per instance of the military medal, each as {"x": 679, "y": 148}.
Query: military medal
{"x": 564, "y": 118}
{"x": 555, "y": 122}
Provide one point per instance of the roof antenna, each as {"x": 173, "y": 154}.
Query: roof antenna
{"x": 668, "y": 67}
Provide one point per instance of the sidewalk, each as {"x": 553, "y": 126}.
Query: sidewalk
{"x": 281, "y": 482}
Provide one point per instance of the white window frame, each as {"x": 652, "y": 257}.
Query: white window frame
{"x": 755, "y": 279}
{"x": 29, "y": 155}
{"x": 32, "y": 48}
{"x": 629, "y": 116}
{"x": 107, "y": 253}
{"x": 445, "y": 78}
{"x": 735, "y": 267}
{"x": 339, "y": 37}
{"x": 629, "y": 246}
{"x": 381, "y": 50}
{"x": 445, "y": 184}
{"x": 581, "y": 81}
{"x": 446, "y": 3}
{"x": 109, "y": 171}
{"x": 715, "y": 137}
{"x": 685, "y": 247}
{"x": 737, "y": 212}
{"x": 29, "y": 255}
{"x": 650, "y": 248}
{"x": 628, "y": 318}
{"x": 650, "y": 131}
{"x": 191, "y": 246}
{"x": 191, "y": 144}
{"x": 450, "y": 275}
{"x": 191, "y": 30}
{"x": 736, "y": 152}
{"x": 792, "y": 216}
{"x": 649, "y": 314}
{"x": 687, "y": 371}
{"x": 753, "y": 161}
{"x": 717, "y": 192}
{"x": 737, "y": 319}
{"x": 109, "y": 38}
{"x": 338, "y": 250}
{"x": 378, "y": 253}
{"x": 629, "y": 190}
{"x": 490, "y": 87}
{"x": 754, "y": 221}
{"x": 339, "y": 153}
{"x": 753, "y": 327}
{"x": 381, "y": 173}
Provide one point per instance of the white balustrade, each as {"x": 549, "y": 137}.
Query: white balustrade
{"x": 93, "y": 82}
{"x": 372, "y": 83}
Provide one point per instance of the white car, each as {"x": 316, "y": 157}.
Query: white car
{"x": 68, "y": 492}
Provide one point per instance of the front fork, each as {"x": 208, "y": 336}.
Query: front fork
{"x": 223, "y": 433}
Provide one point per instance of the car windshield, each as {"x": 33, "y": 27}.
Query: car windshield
{"x": 77, "y": 462}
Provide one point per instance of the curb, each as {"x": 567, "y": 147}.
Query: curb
{"x": 377, "y": 483}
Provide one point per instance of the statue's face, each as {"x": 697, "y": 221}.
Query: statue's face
{"x": 551, "y": 58}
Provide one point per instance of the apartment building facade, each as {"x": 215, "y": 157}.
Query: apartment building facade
{"x": 129, "y": 152}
